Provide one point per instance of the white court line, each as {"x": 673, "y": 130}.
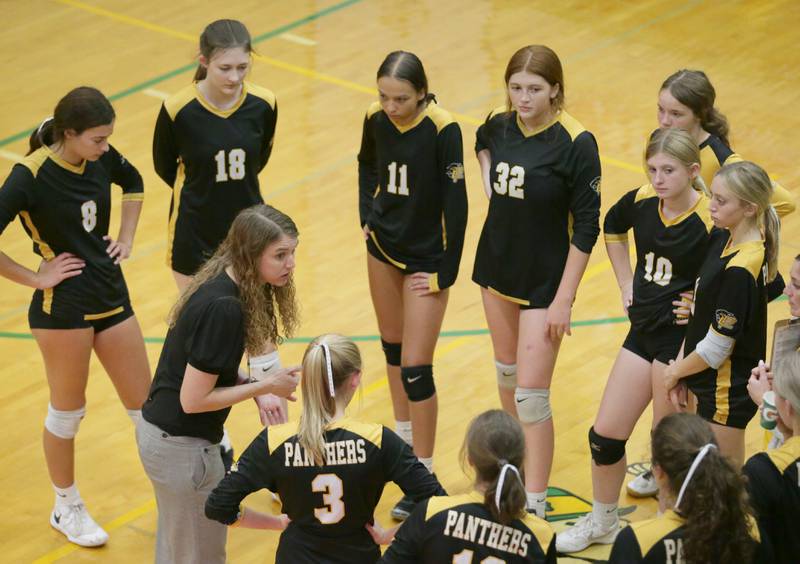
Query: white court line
{"x": 10, "y": 156}
{"x": 297, "y": 39}
{"x": 155, "y": 93}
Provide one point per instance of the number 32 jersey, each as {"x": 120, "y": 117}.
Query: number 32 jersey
{"x": 328, "y": 505}
{"x": 67, "y": 208}
{"x": 211, "y": 158}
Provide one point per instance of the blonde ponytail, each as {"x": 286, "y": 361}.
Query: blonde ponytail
{"x": 319, "y": 404}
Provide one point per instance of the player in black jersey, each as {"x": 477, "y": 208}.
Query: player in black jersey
{"x": 413, "y": 211}
{"x": 329, "y": 469}
{"x": 541, "y": 171}
{"x": 686, "y": 101}
{"x": 232, "y": 304}
{"x": 773, "y": 477}
{"x": 211, "y": 140}
{"x": 61, "y": 192}
{"x": 709, "y": 518}
{"x": 727, "y": 332}
{"x": 671, "y": 223}
{"x": 489, "y": 524}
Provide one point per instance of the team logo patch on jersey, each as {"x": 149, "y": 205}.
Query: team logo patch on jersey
{"x": 595, "y": 185}
{"x": 725, "y": 319}
{"x": 455, "y": 172}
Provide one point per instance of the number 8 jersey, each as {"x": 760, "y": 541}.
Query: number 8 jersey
{"x": 545, "y": 197}
{"x": 66, "y": 208}
{"x": 211, "y": 158}
{"x": 328, "y": 505}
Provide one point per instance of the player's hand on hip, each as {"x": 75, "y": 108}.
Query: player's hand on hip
{"x": 557, "y": 320}
{"x": 683, "y": 308}
{"x": 53, "y": 272}
{"x": 420, "y": 283}
{"x": 366, "y": 231}
{"x": 627, "y": 295}
{"x": 282, "y": 382}
{"x": 118, "y": 250}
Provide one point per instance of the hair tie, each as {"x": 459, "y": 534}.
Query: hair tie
{"x": 326, "y": 352}
{"x": 695, "y": 463}
{"x": 505, "y": 467}
{"x": 41, "y": 125}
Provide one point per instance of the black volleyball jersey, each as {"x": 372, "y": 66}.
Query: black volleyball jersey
{"x": 669, "y": 252}
{"x": 730, "y": 298}
{"x": 773, "y": 482}
{"x": 66, "y": 208}
{"x": 660, "y": 541}
{"x": 545, "y": 196}
{"x": 461, "y": 529}
{"x": 209, "y": 335}
{"x": 412, "y": 192}
{"x": 211, "y": 158}
{"x": 328, "y": 505}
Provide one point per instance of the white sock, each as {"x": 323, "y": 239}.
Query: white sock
{"x": 135, "y": 415}
{"x": 604, "y": 514}
{"x": 428, "y": 462}
{"x": 67, "y": 496}
{"x": 537, "y": 502}
{"x": 226, "y": 440}
{"x": 403, "y": 429}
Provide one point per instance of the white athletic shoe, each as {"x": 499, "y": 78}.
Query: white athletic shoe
{"x": 585, "y": 532}
{"x": 643, "y": 485}
{"x": 78, "y": 526}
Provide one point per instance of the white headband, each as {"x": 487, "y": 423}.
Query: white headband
{"x": 326, "y": 352}
{"x": 692, "y": 468}
{"x": 504, "y": 468}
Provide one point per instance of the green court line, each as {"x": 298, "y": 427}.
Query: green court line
{"x": 186, "y": 68}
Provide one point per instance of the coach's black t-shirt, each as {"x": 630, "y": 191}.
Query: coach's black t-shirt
{"x": 209, "y": 335}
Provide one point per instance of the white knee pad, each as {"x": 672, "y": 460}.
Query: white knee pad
{"x": 506, "y": 374}
{"x": 533, "y": 405}
{"x": 63, "y": 424}
{"x": 262, "y": 365}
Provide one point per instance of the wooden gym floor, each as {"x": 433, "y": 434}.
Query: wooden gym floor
{"x": 320, "y": 58}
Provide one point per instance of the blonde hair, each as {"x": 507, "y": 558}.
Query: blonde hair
{"x": 679, "y": 145}
{"x": 750, "y": 183}
{"x": 787, "y": 380}
{"x": 319, "y": 406}
{"x": 253, "y": 230}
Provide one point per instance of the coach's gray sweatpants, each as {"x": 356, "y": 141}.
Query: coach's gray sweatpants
{"x": 183, "y": 471}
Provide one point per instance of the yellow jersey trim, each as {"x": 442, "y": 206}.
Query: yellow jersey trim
{"x": 527, "y": 132}
{"x": 176, "y": 204}
{"x": 651, "y": 531}
{"x": 373, "y": 432}
{"x": 396, "y": 263}
{"x": 96, "y": 316}
{"x": 215, "y": 110}
{"x": 615, "y": 237}
{"x": 722, "y": 409}
{"x": 440, "y": 118}
{"x": 644, "y": 192}
{"x": 373, "y": 109}
{"x": 64, "y": 164}
{"x": 35, "y": 160}
{"x": 786, "y": 455}
{"x": 572, "y": 125}
{"x": 679, "y": 218}
{"x": 279, "y": 434}
{"x": 508, "y": 298}
{"x": 177, "y": 101}
{"x": 433, "y": 282}
{"x": 437, "y": 504}
{"x": 47, "y": 253}
{"x": 260, "y": 92}
{"x": 133, "y": 197}
{"x": 749, "y": 255}
{"x": 497, "y": 111}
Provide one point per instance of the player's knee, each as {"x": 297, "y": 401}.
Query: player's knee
{"x": 64, "y": 424}
{"x": 392, "y": 352}
{"x": 605, "y": 451}
{"x": 418, "y": 382}
{"x": 533, "y": 405}
{"x": 264, "y": 364}
{"x": 506, "y": 374}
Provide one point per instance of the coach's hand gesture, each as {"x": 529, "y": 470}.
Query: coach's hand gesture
{"x": 282, "y": 382}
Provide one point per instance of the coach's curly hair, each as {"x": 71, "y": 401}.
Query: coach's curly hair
{"x": 719, "y": 519}
{"x": 253, "y": 230}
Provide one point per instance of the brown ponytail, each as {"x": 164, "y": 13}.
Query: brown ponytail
{"x": 693, "y": 89}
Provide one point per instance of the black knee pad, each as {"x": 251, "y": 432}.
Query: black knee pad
{"x": 605, "y": 451}
{"x": 392, "y": 352}
{"x": 418, "y": 382}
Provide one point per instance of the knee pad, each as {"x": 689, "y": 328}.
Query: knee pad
{"x": 605, "y": 451}
{"x": 506, "y": 374}
{"x": 533, "y": 405}
{"x": 418, "y": 382}
{"x": 264, "y": 364}
{"x": 392, "y": 352}
{"x": 63, "y": 424}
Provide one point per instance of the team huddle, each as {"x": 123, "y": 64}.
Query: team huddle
{"x": 706, "y": 228}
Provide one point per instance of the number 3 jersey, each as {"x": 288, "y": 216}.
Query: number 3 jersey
{"x": 328, "y": 505}
{"x": 67, "y": 208}
{"x": 211, "y": 158}
{"x": 669, "y": 252}
{"x": 545, "y": 196}
{"x": 412, "y": 192}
